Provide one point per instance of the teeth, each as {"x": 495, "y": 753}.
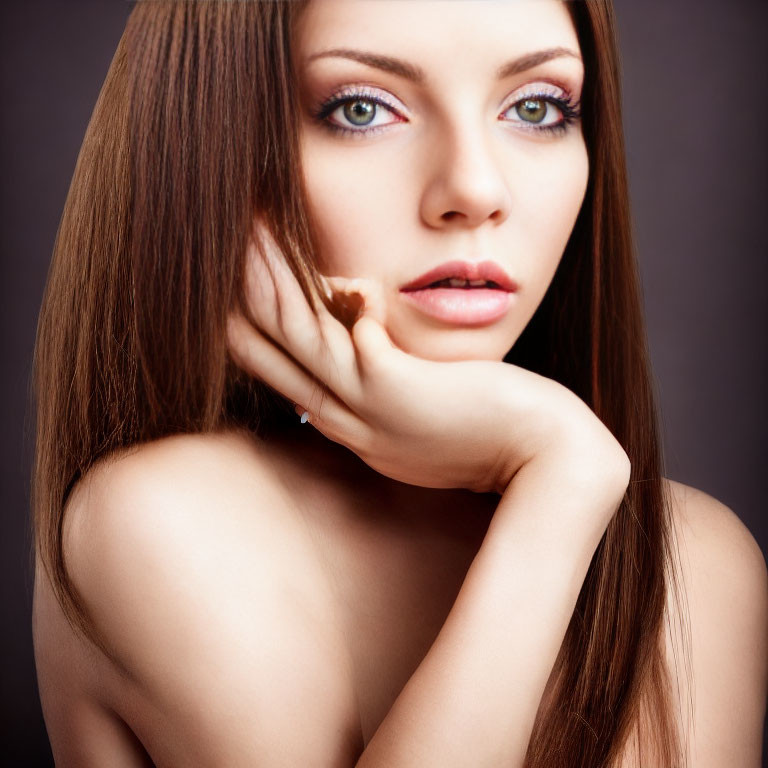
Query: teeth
{"x": 457, "y": 282}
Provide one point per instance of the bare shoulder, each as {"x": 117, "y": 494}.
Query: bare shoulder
{"x": 725, "y": 587}
{"x": 199, "y": 575}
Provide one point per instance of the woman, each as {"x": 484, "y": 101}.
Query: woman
{"x": 468, "y": 555}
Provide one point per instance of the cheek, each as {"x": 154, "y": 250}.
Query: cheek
{"x": 547, "y": 214}
{"x": 347, "y": 208}
{"x": 350, "y": 208}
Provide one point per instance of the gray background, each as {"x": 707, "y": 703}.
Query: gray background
{"x": 695, "y": 80}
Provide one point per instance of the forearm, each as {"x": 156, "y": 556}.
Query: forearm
{"x": 474, "y": 697}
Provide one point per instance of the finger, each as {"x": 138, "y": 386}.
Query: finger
{"x": 259, "y": 357}
{"x": 372, "y": 342}
{"x": 376, "y": 352}
{"x": 278, "y": 307}
{"x": 269, "y": 283}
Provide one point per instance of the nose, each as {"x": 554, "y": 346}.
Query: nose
{"x": 467, "y": 185}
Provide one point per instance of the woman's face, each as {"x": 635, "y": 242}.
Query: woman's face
{"x": 418, "y": 149}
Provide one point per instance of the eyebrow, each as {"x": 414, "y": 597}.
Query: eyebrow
{"x": 415, "y": 74}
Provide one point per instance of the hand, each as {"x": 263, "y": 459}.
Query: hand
{"x": 467, "y": 424}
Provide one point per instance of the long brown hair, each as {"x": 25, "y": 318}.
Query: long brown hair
{"x": 194, "y": 130}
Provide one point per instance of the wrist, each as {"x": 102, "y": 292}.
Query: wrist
{"x": 562, "y": 434}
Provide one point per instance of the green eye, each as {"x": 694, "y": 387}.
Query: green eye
{"x": 533, "y": 113}
{"x": 359, "y": 112}
{"x": 532, "y": 110}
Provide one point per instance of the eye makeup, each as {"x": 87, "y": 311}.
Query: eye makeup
{"x": 533, "y": 100}
{"x": 321, "y": 111}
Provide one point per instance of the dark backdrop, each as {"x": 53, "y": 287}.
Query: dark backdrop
{"x": 695, "y": 113}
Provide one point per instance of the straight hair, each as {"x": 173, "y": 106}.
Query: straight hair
{"x": 194, "y": 131}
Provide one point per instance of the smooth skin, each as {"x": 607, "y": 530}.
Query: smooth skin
{"x": 361, "y": 568}
{"x": 561, "y": 474}
{"x": 452, "y": 171}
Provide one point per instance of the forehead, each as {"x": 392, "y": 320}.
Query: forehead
{"x": 435, "y": 32}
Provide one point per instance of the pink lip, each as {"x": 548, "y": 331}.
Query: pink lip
{"x": 462, "y": 306}
{"x": 465, "y": 270}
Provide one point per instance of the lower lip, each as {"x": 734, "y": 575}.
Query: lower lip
{"x": 464, "y": 306}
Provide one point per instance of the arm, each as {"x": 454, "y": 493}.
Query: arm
{"x": 474, "y": 697}
{"x": 476, "y": 424}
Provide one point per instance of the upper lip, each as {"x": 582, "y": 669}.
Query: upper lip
{"x": 464, "y": 270}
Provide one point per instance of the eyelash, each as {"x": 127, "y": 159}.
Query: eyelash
{"x": 570, "y": 110}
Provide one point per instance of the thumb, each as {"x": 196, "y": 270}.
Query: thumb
{"x": 371, "y": 338}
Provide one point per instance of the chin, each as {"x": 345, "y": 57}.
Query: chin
{"x": 454, "y": 345}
